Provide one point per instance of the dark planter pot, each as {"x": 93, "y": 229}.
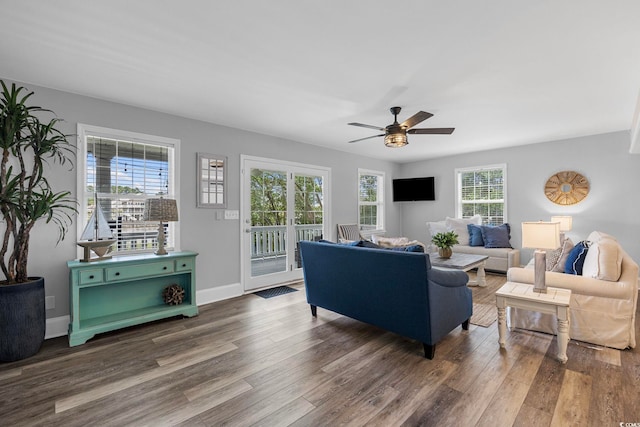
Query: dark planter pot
{"x": 22, "y": 319}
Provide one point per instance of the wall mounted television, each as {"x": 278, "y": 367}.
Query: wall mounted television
{"x": 414, "y": 189}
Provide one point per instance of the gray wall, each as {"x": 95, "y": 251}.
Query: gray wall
{"x": 217, "y": 241}
{"x": 612, "y": 205}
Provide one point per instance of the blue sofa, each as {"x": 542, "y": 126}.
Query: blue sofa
{"x": 396, "y": 291}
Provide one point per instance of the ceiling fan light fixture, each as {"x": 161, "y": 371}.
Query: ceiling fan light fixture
{"x": 396, "y": 140}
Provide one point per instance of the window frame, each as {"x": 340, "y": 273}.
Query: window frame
{"x": 458, "y": 180}
{"x": 200, "y": 190}
{"x": 85, "y": 131}
{"x": 380, "y": 202}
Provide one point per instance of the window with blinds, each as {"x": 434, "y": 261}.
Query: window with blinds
{"x": 482, "y": 190}
{"x": 122, "y": 171}
{"x": 370, "y": 200}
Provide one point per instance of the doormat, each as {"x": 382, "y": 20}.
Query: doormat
{"x": 274, "y": 292}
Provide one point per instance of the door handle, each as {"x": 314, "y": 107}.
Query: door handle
{"x": 247, "y": 230}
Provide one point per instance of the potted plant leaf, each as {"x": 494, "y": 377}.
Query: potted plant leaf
{"x": 28, "y": 144}
{"x": 444, "y": 242}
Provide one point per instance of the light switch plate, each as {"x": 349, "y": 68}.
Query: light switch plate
{"x": 231, "y": 214}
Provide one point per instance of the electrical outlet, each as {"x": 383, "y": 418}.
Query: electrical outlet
{"x": 49, "y": 303}
{"x": 232, "y": 214}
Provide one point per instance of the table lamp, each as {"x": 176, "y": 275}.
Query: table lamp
{"x": 540, "y": 236}
{"x": 566, "y": 221}
{"x": 162, "y": 210}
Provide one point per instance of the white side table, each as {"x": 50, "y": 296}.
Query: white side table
{"x": 521, "y": 295}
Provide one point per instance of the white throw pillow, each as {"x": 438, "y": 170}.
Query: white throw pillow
{"x": 436, "y": 227}
{"x": 433, "y": 228}
{"x": 459, "y": 226}
{"x": 603, "y": 260}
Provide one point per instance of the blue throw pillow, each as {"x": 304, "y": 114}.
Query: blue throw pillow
{"x": 496, "y": 236}
{"x": 475, "y": 235}
{"x": 412, "y": 248}
{"x": 367, "y": 244}
{"x": 575, "y": 261}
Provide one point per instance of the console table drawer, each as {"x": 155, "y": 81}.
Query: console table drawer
{"x": 134, "y": 271}
{"x": 88, "y": 277}
{"x": 184, "y": 264}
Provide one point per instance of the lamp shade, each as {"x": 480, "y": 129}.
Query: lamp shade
{"x": 162, "y": 210}
{"x": 566, "y": 221}
{"x": 541, "y": 235}
{"x": 396, "y": 140}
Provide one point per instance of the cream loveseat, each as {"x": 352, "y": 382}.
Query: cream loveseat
{"x": 500, "y": 259}
{"x": 603, "y": 298}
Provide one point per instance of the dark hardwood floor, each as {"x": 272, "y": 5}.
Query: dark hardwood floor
{"x": 253, "y": 361}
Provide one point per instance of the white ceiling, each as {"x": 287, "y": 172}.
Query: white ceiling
{"x": 502, "y": 72}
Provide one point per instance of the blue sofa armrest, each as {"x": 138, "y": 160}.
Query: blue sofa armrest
{"x": 450, "y": 278}
{"x": 451, "y": 301}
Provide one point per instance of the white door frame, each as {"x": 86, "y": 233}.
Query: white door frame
{"x": 250, "y": 284}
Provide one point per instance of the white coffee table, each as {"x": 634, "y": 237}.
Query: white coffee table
{"x": 464, "y": 262}
{"x": 521, "y": 295}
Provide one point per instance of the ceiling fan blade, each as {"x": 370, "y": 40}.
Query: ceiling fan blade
{"x": 366, "y": 126}
{"x": 369, "y": 137}
{"x": 432, "y": 131}
{"x": 418, "y": 117}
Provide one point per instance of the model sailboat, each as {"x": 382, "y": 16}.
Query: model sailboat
{"x": 97, "y": 237}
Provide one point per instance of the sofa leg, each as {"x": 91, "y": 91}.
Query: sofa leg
{"x": 429, "y": 350}
{"x": 465, "y": 325}
{"x": 314, "y": 310}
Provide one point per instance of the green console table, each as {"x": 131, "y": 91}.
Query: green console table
{"x": 125, "y": 291}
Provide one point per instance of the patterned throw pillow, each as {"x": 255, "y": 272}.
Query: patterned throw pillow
{"x": 557, "y": 258}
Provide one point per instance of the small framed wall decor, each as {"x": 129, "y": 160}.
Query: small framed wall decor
{"x": 211, "y": 178}
{"x": 566, "y": 188}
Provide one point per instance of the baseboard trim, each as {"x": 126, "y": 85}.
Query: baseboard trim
{"x": 57, "y": 327}
{"x": 207, "y": 296}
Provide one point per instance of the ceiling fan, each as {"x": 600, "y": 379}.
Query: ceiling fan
{"x": 395, "y": 135}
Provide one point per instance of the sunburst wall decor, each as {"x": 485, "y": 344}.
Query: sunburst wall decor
{"x": 566, "y": 188}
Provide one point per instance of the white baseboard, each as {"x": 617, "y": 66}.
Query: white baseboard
{"x": 59, "y": 326}
{"x": 219, "y": 293}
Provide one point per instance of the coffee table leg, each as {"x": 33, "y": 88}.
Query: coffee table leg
{"x": 482, "y": 279}
{"x": 563, "y": 333}
{"x": 502, "y": 321}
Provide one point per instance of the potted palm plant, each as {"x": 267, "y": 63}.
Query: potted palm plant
{"x": 444, "y": 242}
{"x": 27, "y": 145}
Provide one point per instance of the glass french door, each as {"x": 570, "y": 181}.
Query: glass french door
{"x": 282, "y": 203}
